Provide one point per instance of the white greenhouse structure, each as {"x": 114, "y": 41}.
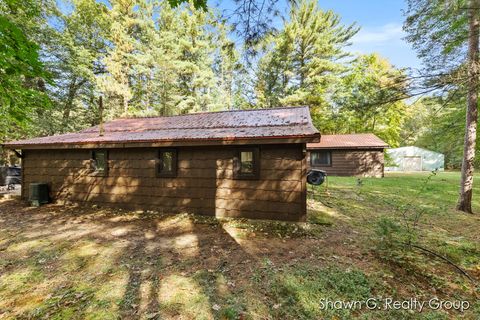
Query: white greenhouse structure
{"x": 415, "y": 159}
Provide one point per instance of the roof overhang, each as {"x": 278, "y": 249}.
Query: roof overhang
{"x": 167, "y": 143}
{"x": 348, "y": 148}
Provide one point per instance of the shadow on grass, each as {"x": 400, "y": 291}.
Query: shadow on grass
{"x": 108, "y": 264}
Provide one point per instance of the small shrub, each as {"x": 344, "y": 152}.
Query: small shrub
{"x": 388, "y": 232}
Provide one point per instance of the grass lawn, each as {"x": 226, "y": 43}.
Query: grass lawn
{"x": 60, "y": 262}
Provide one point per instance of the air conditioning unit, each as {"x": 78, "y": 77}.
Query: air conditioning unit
{"x": 38, "y": 194}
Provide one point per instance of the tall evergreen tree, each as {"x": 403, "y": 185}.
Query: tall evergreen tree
{"x": 304, "y": 59}
{"x": 116, "y": 83}
{"x": 166, "y": 60}
{"x": 73, "y": 53}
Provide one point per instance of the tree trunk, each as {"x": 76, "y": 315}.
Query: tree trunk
{"x": 125, "y": 106}
{"x": 101, "y": 129}
{"x": 67, "y": 108}
{"x": 466, "y": 183}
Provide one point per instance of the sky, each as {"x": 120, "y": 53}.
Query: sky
{"x": 381, "y": 27}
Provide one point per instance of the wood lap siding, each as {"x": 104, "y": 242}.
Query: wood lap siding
{"x": 365, "y": 163}
{"x": 204, "y": 183}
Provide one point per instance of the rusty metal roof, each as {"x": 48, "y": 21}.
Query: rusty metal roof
{"x": 349, "y": 141}
{"x": 239, "y": 125}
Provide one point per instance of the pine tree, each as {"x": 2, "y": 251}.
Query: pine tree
{"x": 166, "y": 60}
{"x": 227, "y": 68}
{"x": 197, "y": 78}
{"x": 303, "y": 59}
{"x": 73, "y": 54}
{"x": 117, "y": 84}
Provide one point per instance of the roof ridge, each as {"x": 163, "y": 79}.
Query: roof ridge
{"x": 90, "y": 130}
{"x": 209, "y": 112}
{"x": 349, "y": 134}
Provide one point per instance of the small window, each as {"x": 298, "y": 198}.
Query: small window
{"x": 99, "y": 162}
{"x": 246, "y": 164}
{"x": 321, "y": 158}
{"x": 167, "y": 163}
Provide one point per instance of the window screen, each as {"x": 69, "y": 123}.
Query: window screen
{"x": 99, "y": 162}
{"x": 320, "y": 158}
{"x": 247, "y": 163}
{"x": 167, "y": 164}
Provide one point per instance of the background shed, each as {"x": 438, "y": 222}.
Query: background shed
{"x": 415, "y": 159}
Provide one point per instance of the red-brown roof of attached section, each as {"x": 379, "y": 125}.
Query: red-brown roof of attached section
{"x": 282, "y": 123}
{"x": 349, "y": 141}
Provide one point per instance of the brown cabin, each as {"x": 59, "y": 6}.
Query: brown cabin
{"x": 348, "y": 155}
{"x": 227, "y": 164}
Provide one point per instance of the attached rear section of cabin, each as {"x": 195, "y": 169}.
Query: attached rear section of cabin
{"x": 361, "y": 163}
{"x": 348, "y": 155}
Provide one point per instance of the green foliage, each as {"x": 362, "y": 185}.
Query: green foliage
{"x": 460, "y": 251}
{"x": 149, "y": 58}
{"x": 391, "y": 237}
{"x": 120, "y": 59}
{"x": 22, "y": 74}
{"x": 306, "y": 63}
{"x": 368, "y": 98}
{"x": 437, "y": 123}
{"x": 387, "y": 230}
{"x": 437, "y": 29}
{"x": 144, "y": 58}
{"x": 73, "y": 54}
{"x": 302, "y": 60}
{"x": 167, "y": 61}
{"x": 388, "y": 160}
{"x": 445, "y": 34}
{"x": 199, "y": 4}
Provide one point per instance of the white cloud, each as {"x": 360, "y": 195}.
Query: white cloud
{"x": 391, "y": 32}
{"x": 388, "y": 41}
